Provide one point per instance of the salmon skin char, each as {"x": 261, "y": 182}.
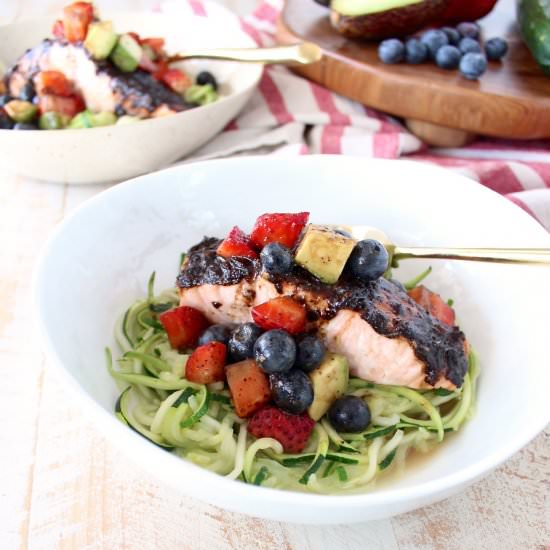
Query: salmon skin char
{"x": 104, "y": 87}
{"x": 437, "y": 349}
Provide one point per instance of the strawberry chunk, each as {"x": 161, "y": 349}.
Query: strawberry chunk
{"x": 58, "y": 30}
{"x": 206, "y": 364}
{"x": 183, "y": 325}
{"x": 290, "y": 430}
{"x": 279, "y": 228}
{"x": 176, "y": 80}
{"x": 69, "y": 106}
{"x": 53, "y": 83}
{"x": 434, "y": 304}
{"x": 236, "y": 243}
{"x": 76, "y": 19}
{"x": 249, "y": 387}
{"x": 282, "y": 312}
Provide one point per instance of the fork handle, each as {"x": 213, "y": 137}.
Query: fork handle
{"x": 539, "y": 256}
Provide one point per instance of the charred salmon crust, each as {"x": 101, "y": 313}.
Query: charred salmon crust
{"x": 382, "y": 304}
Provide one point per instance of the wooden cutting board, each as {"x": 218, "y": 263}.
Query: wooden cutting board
{"x": 511, "y": 100}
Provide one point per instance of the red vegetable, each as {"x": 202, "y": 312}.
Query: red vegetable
{"x": 458, "y": 11}
{"x": 156, "y": 44}
{"x": 282, "y": 312}
{"x": 176, "y": 80}
{"x": 69, "y": 106}
{"x": 249, "y": 387}
{"x": 58, "y": 30}
{"x": 183, "y": 325}
{"x": 206, "y": 364}
{"x": 76, "y": 19}
{"x": 290, "y": 430}
{"x": 280, "y": 228}
{"x": 53, "y": 83}
{"x": 434, "y": 304}
{"x": 237, "y": 243}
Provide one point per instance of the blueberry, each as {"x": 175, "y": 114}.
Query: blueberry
{"x": 216, "y": 333}
{"x": 448, "y": 57}
{"x": 496, "y": 48}
{"x": 4, "y": 99}
{"x": 470, "y": 30}
{"x": 415, "y": 51}
{"x": 276, "y": 259}
{"x": 291, "y": 391}
{"x": 310, "y": 353}
{"x": 6, "y": 123}
{"x": 398, "y": 284}
{"x": 369, "y": 260}
{"x": 242, "y": 340}
{"x": 434, "y": 39}
{"x": 452, "y": 34}
{"x": 349, "y": 414}
{"x": 25, "y": 126}
{"x": 391, "y": 51}
{"x": 206, "y": 77}
{"x": 469, "y": 45}
{"x": 473, "y": 65}
{"x": 275, "y": 351}
{"x": 27, "y": 92}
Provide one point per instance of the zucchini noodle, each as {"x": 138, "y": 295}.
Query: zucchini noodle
{"x": 198, "y": 422}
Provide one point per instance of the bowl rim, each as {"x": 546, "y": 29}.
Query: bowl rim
{"x": 121, "y": 437}
{"x": 156, "y": 15}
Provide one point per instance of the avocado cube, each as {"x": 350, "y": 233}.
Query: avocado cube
{"x": 53, "y": 121}
{"x": 105, "y": 118}
{"x": 81, "y": 120}
{"x": 127, "y": 54}
{"x": 329, "y": 381}
{"x": 324, "y": 252}
{"x": 21, "y": 111}
{"x": 101, "y": 39}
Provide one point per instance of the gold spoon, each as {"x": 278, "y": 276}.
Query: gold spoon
{"x": 301, "y": 54}
{"x": 539, "y": 256}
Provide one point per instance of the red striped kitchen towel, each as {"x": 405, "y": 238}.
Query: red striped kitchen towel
{"x": 288, "y": 115}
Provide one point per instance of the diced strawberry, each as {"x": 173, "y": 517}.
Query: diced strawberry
{"x": 135, "y": 36}
{"x": 434, "y": 304}
{"x": 183, "y": 325}
{"x": 76, "y": 19}
{"x": 69, "y": 106}
{"x": 290, "y": 430}
{"x": 162, "y": 67}
{"x": 280, "y": 228}
{"x": 249, "y": 387}
{"x": 156, "y": 44}
{"x": 282, "y": 312}
{"x": 176, "y": 80}
{"x": 58, "y": 30}
{"x": 53, "y": 83}
{"x": 236, "y": 243}
{"x": 206, "y": 364}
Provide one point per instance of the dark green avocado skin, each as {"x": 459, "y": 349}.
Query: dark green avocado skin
{"x": 388, "y": 24}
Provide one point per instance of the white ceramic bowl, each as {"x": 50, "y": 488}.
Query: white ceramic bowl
{"x": 99, "y": 259}
{"x": 119, "y": 152}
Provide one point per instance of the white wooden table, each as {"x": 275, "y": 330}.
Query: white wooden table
{"x": 63, "y": 486}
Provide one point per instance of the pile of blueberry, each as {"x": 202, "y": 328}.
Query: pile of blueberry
{"x": 450, "y": 48}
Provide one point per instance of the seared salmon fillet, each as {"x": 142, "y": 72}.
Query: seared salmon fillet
{"x": 386, "y": 336}
{"x": 102, "y": 85}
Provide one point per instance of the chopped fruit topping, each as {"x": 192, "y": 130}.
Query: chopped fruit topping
{"x": 58, "y": 30}
{"x": 282, "y": 312}
{"x": 135, "y": 36}
{"x": 52, "y": 83}
{"x": 69, "y": 106}
{"x": 280, "y": 228}
{"x": 433, "y": 303}
{"x": 206, "y": 364}
{"x": 249, "y": 387}
{"x": 291, "y": 431}
{"x": 76, "y": 19}
{"x": 156, "y": 44}
{"x": 183, "y": 325}
{"x": 176, "y": 80}
{"x": 237, "y": 243}
{"x": 349, "y": 413}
